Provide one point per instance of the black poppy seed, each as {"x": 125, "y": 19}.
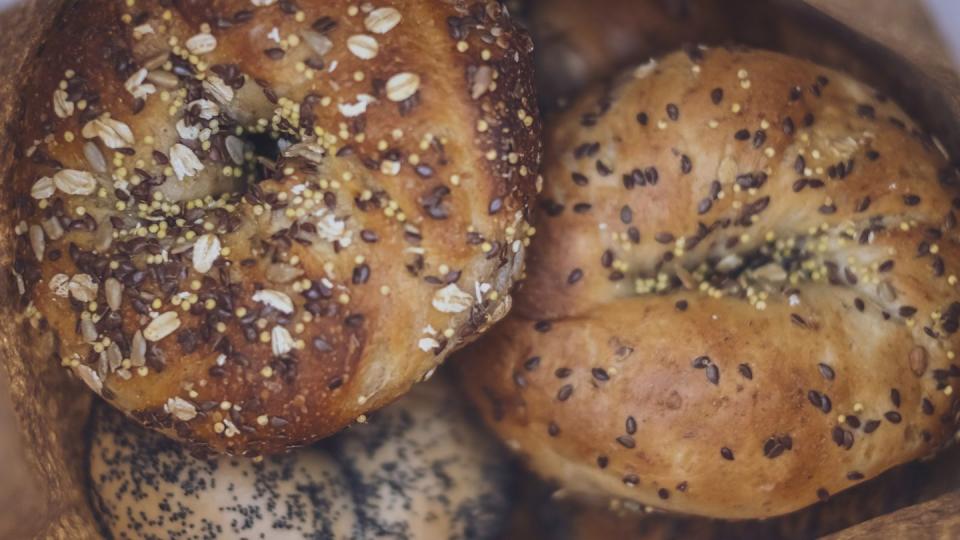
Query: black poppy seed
{"x": 726, "y": 453}
{"x": 745, "y": 371}
{"x": 626, "y": 441}
{"x": 788, "y": 127}
{"x": 893, "y": 417}
{"x": 563, "y": 372}
{"x": 673, "y": 112}
{"x": 826, "y": 371}
{"x": 713, "y": 374}
{"x": 742, "y": 135}
{"x": 565, "y": 392}
{"x": 580, "y": 179}
{"x": 681, "y": 305}
{"x": 663, "y": 493}
{"x": 603, "y": 169}
{"x": 685, "y": 164}
{"x": 855, "y": 476}
{"x": 823, "y": 494}
{"x": 927, "y": 407}
{"x": 603, "y": 461}
{"x": 542, "y": 326}
{"x": 907, "y": 311}
{"x": 664, "y": 237}
{"x": 701, "y": 362}
{"x": 911, "y": 200}
{"x": 553, "y": 429}
{"x": 759, "y": 138}
{"x": 531, "y": 363}
{"x": 895, "y": 397}
{"x": 716, "y": 95}
{"x": 630, "y": 425}
{"x": 870, "y": 426}
{"x": 642, "y": 118}
{"x": 575, "y": 276}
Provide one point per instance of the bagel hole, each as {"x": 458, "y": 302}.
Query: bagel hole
{"x": 266, "y": 153}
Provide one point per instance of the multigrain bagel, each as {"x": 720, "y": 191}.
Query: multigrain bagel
{"x": 419, "y": 469}
{"x": 742, "y": 297}
{"x": 247, "y": 224}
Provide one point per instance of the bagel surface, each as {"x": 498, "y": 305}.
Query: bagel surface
{"x": 742, "y": 297}
{"x": 247, "y": 224}
{"x": 419, "y": 469}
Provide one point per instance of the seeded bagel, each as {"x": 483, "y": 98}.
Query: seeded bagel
{"x": 418, "y": 469}
{"x": 249, "y": 223}
{"x": 743, "y": 294}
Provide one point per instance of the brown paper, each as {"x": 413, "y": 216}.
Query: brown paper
{"x": 890, "y": 43}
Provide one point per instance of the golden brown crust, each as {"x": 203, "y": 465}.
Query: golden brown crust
{"x": 247, "y": 298}
{"x": 742, "y": 297}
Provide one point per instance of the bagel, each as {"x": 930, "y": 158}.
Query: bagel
{"x": 247, "y": 224}
{"x": 742, "y": 297}
{"x": 579, "y": 42}
{"x": 418, "y": 469}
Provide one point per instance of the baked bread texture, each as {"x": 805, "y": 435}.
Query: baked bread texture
{"x": 249, "y": 223}
{"x": 742, "y": 297}
{"x": 418, "y": 469}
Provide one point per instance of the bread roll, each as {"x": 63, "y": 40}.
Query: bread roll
{"x": 418, "y": 469}
{"x": 249, "y": 223}
{"x": 742, "y": 297}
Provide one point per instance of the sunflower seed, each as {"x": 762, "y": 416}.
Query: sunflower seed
{"x": 138, "y": 350}
{"x": 482, "y": 80}
{"x": 113, "y": 133}
{"x": 206, "y": 251}
{"x": 402, "y": 86}
{"x": 318, "y": 42}
{"x": 363, "y": 46}
{"x": 162, "y": 326}
{"x": 114, "y": 291}
{"x": 382, "y": 20}
{"x": 94, "y": 157}
{"x": 103, "y": 239}
{"x": 275, "y": 299}
{"x": 59, "y": 284}
{"x": 74, "y": 182}
{"x": 37, "y": 241}
{"x": 52, "y": 227}
{"x": 62, "y": 106}
{"x": 184, "y": 161}
{"x": 181, "y": 409}
{"x": 201, "y": 43}
{"x": 451, "y": 299}
{"x": 88, "y": 331}
{"x": 163, "y": 79}
{"x": 135, "y": 84}
{"x": 43, "y": 188}
{"x": 89, "y": 377}
{"x": 282, "y": 273}
{"x": 280, "y": 341}
{"x": 235, "y": 149}
{"x": 83, "y": 288}
{"x": 205, "y": 108}
{"x": 218, "y": 89}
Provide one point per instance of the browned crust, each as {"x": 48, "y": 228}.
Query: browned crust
{"x": 740, "y": 298}
{"x": 360, "y": 346}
